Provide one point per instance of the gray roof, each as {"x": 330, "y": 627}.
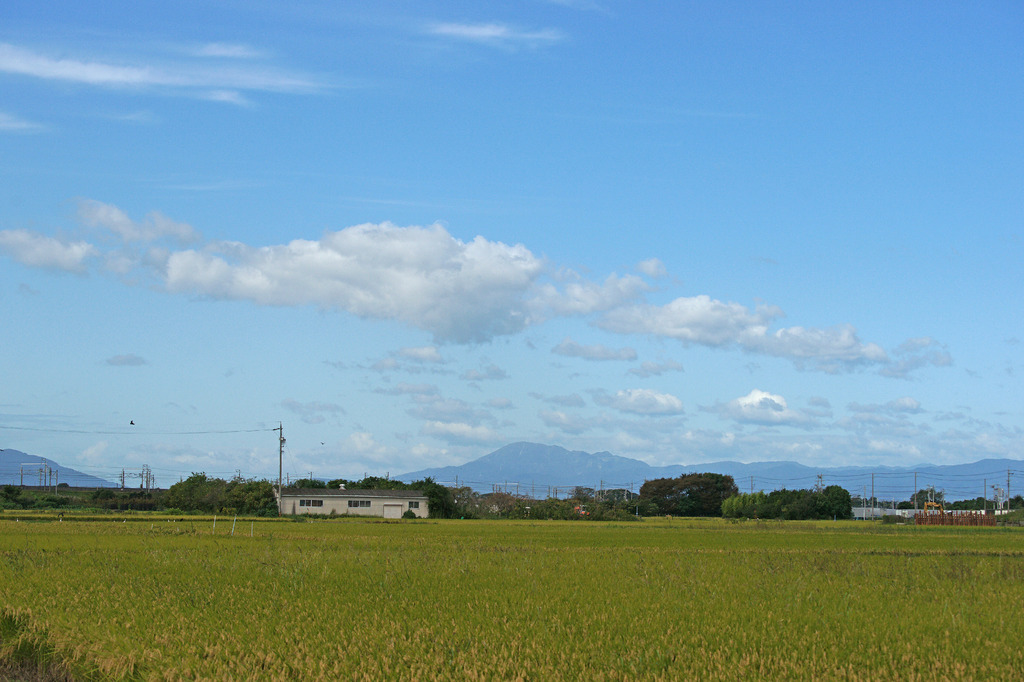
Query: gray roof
{"x": 353, "y": 493}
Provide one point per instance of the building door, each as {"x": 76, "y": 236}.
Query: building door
{"x": 392, "y": 511}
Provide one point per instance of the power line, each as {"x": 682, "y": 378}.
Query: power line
{"x": 135, "y": 431}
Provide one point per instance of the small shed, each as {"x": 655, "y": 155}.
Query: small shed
{"x": 389, "y": 504}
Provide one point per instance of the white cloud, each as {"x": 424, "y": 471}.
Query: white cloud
{"x": 761, "y": 407}
{"x": 437, "y": 409}
{"x": 35, "y": 250}
{"x": 570, "y": 348}
{"x": 227, "y": 50}
{"x": 456, "y": 432}
{"x": 697, "y": 319}
{"x": 642, "y": 401}
{"x": 458, "y": 291}
{"x": 495, "y": 34}
{"x": 181, "y": 76}
{"x": 363, "y": 443}
{"x": 652, "y": 267}
{"x": 574, "y": 424}
{"x": 153, "y": 227}
{"x": 463, "y": 292}
{"x": 421, "y": 354}
{"x": 709, "y": 322}
{"x": 582, "y": 297}
{"x": 904, "y": 405}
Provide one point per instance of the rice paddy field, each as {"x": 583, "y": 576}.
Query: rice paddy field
{"x": 151, "y": 599}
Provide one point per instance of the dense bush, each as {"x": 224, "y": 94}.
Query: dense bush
{"x": 831, "y": 502}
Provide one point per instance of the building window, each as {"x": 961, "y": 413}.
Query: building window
{"x": 311, "y": 503}
{"x": 358, "y": 503}
{"x": 414, "y": 505}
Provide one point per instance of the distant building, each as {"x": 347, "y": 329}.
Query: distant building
{"x": 389, "y": 504}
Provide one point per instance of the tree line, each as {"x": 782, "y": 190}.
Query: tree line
{"x": 692, "y": 494}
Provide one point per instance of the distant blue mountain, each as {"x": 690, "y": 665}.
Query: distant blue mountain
{"x": 17, "y": 467}
{"x": 533, "y": 468}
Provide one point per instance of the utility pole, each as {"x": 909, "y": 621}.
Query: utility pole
{"x": 280, "y": 462}
{"x": 872, "y": 495}
{"x": 915, "y": 492}
{"x": 751, "y": 485}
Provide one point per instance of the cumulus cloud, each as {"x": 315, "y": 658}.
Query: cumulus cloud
{"x": 641, "y": 401}
{"x": 39, "y": 251}
{"x": 761, "y": 407}
{"x": 576, "y": 296}
{"x": 458, "y": 291}
{"x": 571, "y": 349}
{"x": 706, "y": 321}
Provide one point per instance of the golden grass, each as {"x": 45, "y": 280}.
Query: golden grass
{"x": 369, "y": 600}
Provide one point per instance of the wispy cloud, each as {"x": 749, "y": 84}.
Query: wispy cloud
{"x": 228, "y": 50}
{"x": 203, "y": 79}
{"x": 495, "y": 34}
{"x": 13, "y": 124}
{"x": 571, "y": 349}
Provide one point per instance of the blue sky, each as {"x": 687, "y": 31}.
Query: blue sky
{"x": 415, "y": 232}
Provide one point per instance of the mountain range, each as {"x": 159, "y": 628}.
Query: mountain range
{"x": 17, "y": 468}
{"x": 537, "y": 470}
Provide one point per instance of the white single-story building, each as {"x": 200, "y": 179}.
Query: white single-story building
{"x": 390, "y": 504}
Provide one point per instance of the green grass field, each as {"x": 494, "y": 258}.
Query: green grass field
{"x": 369, "y": 600}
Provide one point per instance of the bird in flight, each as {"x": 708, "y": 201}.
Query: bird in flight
{"x": 132, "y": 423}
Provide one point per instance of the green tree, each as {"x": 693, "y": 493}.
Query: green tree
{"x": 251, "y": 497}
{"x": 837, "y": 502}
{"x": 197, "y": 493}
{"x": 690, "y": 494}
